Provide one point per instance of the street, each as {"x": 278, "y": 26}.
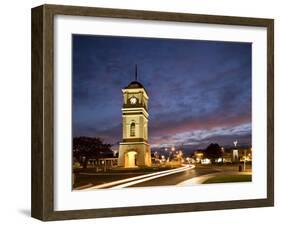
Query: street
{"x": 175, "y": 176}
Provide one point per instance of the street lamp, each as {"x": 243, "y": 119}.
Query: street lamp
{"x": 235, "y": 152}
{"x": 245, "y": 160}
{"x": 222, "y": 151}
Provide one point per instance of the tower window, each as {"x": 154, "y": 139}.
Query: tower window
{"x": 133, "y": 129}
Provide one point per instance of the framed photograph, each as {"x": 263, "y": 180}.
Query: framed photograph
{"x": 141, "y": 112}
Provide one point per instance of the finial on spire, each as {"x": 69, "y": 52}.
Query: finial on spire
{"x": 136, "y": 72}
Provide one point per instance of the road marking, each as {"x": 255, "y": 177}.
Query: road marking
{"x": 152, "y": 177}
{"x": 203, "y": 178}
{"x": 196, "y": 180}
{"x": 136, "y": 178}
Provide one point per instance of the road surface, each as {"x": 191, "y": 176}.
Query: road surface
{"x": 176, "y": 178}
{"x": 163, "y": 178}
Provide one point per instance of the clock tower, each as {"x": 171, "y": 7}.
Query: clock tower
{"x": 134, "y": 150}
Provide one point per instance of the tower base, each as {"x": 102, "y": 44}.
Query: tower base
{"x": 134, "y": 154}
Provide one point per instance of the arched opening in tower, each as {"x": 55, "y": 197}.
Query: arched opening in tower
{"x": 130, "y": 159}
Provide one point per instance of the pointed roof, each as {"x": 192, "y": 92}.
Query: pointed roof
{"x": 135, "y": 84}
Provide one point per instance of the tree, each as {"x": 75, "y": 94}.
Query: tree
{"x": 213, "y": 151}
{"x": 85, "y": 148}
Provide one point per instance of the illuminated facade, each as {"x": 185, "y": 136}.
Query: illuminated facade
{"x": 134, "y": 150}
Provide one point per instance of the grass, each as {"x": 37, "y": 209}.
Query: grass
{"x": 229, "y": 179}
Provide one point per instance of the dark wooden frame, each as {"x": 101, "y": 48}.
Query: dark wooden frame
{"x": 42, "y": 202}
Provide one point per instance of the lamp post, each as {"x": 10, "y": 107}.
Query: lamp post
{"x": 245, "y": 160}
{"x": 222, "y": 151}
{"x": 235, "y": 151}
{"x": 236, "y": 155}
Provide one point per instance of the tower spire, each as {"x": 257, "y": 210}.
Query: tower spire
{"x": 136, "y": 72}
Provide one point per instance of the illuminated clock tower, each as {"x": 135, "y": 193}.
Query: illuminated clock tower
{"x": 134, "y": 150}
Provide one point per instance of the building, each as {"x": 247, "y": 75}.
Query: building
{"x": 134, "y": 150}
{"x": 106, "y": 163}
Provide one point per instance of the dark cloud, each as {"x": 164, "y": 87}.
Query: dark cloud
{"x": 192, "y": 85}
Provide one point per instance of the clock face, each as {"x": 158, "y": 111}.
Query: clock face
{"x": 133, "y": 100}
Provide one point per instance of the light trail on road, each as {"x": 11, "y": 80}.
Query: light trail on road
{"x": 152, "y": 177}
{"x": 139, "y": 179}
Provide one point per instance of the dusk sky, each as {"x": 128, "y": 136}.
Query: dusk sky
{"x": 200, "y": 91}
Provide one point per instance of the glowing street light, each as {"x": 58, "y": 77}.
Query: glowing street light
{"x": 235, "y": 152}
{"x": 235, "y": 143}
{"x": 222, "y": 151}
